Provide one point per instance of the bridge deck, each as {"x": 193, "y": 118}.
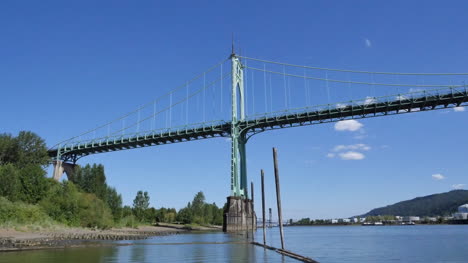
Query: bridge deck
{"x": 360, "y": 109}
{"x": 406, "y": 103}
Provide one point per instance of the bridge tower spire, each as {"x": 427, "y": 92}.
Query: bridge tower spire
{"x": 238, "y": 137}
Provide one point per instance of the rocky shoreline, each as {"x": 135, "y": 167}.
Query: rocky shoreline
{"x": 12, "y": 240}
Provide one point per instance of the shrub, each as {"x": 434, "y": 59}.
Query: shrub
{"x": 21, "y": 213}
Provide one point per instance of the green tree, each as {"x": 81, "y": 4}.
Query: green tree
{"x": 185, "y": 216}
{"x": 8, "y": 149}
{"x": 10, "y": 184}
{"x": 34, "y": 184}
{"x": 31, "y": 149}
{"x": 140, "y": 204}
{"x": 114, "y": 201}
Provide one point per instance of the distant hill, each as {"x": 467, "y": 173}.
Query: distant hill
{"x": 431, "y": 205}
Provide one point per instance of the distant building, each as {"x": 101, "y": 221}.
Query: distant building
{"x": 408, "y": 219}
{"x": 334, "y": 221}
{"x": 462, "y": 213}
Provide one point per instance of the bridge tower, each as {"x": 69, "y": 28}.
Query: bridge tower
{"x": 238, "y": 138}
{"x": 239, "y": 211}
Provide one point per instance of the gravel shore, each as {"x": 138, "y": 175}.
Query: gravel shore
{"x": 13, "y": 240}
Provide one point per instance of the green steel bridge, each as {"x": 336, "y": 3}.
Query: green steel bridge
{"x": 240, "y": 126}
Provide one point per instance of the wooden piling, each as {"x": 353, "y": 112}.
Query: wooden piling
{"x": 286, "y": 253}
{"x": 278, "y": 196}
{"x": 263, "y": 208}
{"x": 253, "y": 207}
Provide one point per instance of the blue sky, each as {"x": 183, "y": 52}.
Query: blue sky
{"x": 68, "y": 67}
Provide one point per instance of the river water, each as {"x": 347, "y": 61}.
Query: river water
{"x": 439, "y": 243}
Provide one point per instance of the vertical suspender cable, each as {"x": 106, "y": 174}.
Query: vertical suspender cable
{"x": 285, "y": 92}
{"x": 271, "y": 95}
{"x": 253, "y": 93}
{"x": 373, "y": 87}
{"x": 138, "y": 122}
{"x": 265, "y": 87}
{"x": 154, "y": 116}
{"x": 170, "y": 110}
{"x": 123, "y": 126}
{"x": 222, "y": 79}
{"x": 246, "y": 97}
{"x": 305, "y": 87}
{"x": 204, "y": 87}
{"x": 349, "y": 86}
{"x": 328, "y": 90}
{"x": 289, "y": 92}
{"x": 187, "y": 106}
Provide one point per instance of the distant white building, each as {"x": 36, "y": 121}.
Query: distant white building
{"x": 408, "y": 219}
{"x": 462, "y": 213}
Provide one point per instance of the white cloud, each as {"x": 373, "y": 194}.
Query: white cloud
{"x": 340, "y": 106}
{"x": 438, "y": 177}
{"x": 360, "y": 136}
{"x": 458, "y": 186}
{"x": 330, "y": 155}
{"x": 359, "y": 146}
{"x": 348, "y": 125}
{"x": 415, "y": 90}
{"x": 459, "y": 109}
{"x": 369, "y": 100}
{"x": 351, "y": 155}
{"x": 367, "y": 42}
{"x": 401, "y": 97}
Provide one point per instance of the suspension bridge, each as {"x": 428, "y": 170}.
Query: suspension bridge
{"x": 242, "y": 96}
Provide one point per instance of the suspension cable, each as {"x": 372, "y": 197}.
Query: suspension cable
{"x": 351, "y": 71}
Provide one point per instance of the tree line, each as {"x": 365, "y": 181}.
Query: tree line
{"x": 27, "y": 196}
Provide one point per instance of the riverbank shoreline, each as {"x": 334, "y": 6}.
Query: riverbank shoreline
{"x": 18, "y": 240}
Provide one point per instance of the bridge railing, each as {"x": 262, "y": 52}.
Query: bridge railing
{"x": 177, "y": 130}
{"x": 403, "y": 97}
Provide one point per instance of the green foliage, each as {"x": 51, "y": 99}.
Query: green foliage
{"x": 21, "y": 167}
{"x": 114, "y": 201}
{"x": 304, "y": 221}
{"x": 32, "y": 149}
{"x": 22, "y": 178}
{"x": 185, "y": 215}
{"x": 21, "y": 213}
{"x": 140, "y": 204}
{"x": 92, "y": 179}
{"x": 431, "y": 205}
{"x": 10, "y": 186}
{"x": 93, "y": 212}
{"x": 8, "y": 149}
{"x": 65, "y": 204}
{"x": 201, "y": 213}
{"x": 34, "y": 183}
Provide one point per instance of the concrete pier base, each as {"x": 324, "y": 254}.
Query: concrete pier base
{"x": 61, "y": 167}
{"x": 238, "y": 215}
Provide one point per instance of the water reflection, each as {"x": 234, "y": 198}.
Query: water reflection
{"x": 325, "y": 244}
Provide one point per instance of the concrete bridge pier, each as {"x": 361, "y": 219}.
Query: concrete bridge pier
{"x": 61, "y": 167}
{"x": 238, "y": 215}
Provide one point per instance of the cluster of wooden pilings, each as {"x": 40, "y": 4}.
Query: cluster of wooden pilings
{"x": 281, "y": 250}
